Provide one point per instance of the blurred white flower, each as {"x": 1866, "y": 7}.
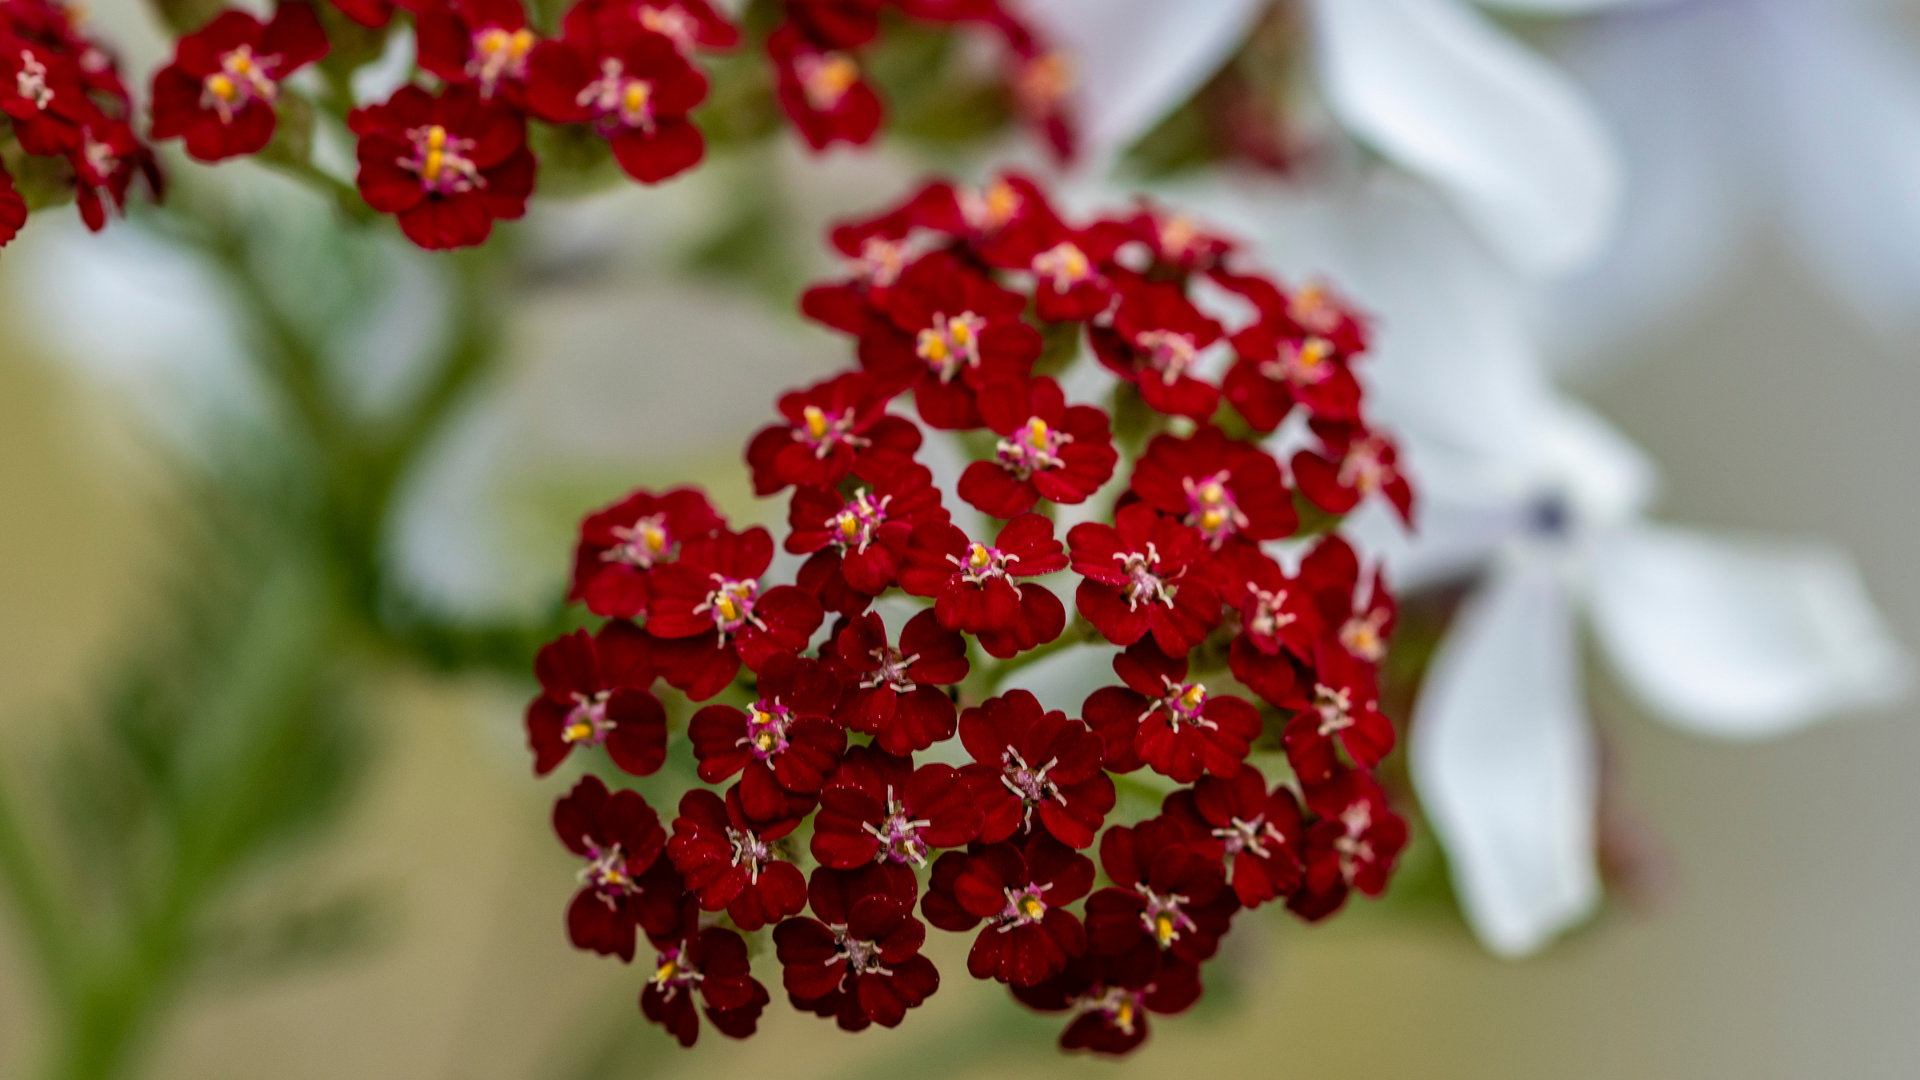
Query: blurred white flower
{"x": 1732, "y": 113}
{"x": 1542, "y": 506}
{"x": 1431, "y": 84}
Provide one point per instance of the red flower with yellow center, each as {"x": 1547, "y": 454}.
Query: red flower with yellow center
{"x": 220, "y": 90}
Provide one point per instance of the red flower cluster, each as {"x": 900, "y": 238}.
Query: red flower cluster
{"x": 834, "y": 723}
{"x": 63, "y": 98}
{"x": 451, "y": 158}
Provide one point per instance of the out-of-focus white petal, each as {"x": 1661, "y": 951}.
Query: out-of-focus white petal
{"x": 1436, "y": 87}
{"x": 1844, "y": 98}
{"x": 1670, "y": 90}
{"x": 1605, "y": 478}
{"x": 1134, "y": 61}
{"x": 1739, "y": 639}
{"x": 1569, "y": 7}
{"x": 1504, "y": 763}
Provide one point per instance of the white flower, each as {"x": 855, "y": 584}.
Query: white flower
{"x": 1544, "y": 506}
{"x": 1804, "y": 113}
{"x": 1432, "y": 84}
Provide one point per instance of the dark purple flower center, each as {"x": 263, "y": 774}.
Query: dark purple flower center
{"x": 1032, "y": 785}
{"x": 899, "y": 834}
{"x": 1163, "y": 917}
{"x": 1144, "y": 583}
{"x": 767, "y": 724}
{"x": 1024, "y": 906}
{"x": 862, "y": 956}
{"x": 606, "y": 871}
{"x": 588, "y": 722}
{"x": 749, "y": 851}
{"x": 1251, "y": 836}
{"x": 673, "y": 969}
{"x": 892, "y": 672}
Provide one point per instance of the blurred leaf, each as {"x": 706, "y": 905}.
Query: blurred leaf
{"x": 314, "y": 934}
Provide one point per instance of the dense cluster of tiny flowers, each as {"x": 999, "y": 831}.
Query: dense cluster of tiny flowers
{"x": 841, "y": 817}
{"x": 63, "y": 101}
{"x": 448, "y": 153}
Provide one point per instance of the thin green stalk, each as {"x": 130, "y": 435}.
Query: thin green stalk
{"x": 32, "y": 895}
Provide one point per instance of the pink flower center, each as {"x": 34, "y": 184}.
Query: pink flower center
{"x": 1033, "y": 786}
{"x": 951, "y": 342}
{"x": 1249, "y": 836}
{"x": 881, "y": 261}
{"x": 862, "y": 956}
{"x": 1168, "y": 353}
{"x": 750, "y": 851}
{"x": 854, "y": 526}
{"x": 1180, "y": 239}
{"x": 1035, "y": 449}
{"x": 1364, "y": 468}
{"x": 673, "y": 970}
{"x": 1064, "y": 264}
{"x": 1024, "y": 907}
{"x": 242, "y": 79}
{"x": 31, "y": 81}
{"x": 983, "y": 563}
{"x": 1309, "y": 363}
{"x": 440, "y": 161}
{"x": 899, "y": 835}
{"x": 1269, "y": 611}
{"x": 1163, "y": 917}
{"x": 606, "y": 872}
{"x": 499, "y": 53}
{"x": 617, "y": 100}
{"x": 1044, "y": 81}
{"x": 767, "y": 724}
{"x": 892, "y": 672}
{"x": 1314, "y": 311}
{"x": 1118, "y": 1005}
{"x": 1352, "y": 847}
{"x": 1335, "y": 707}
{"x": 672, "y": 23}
{"x": 823, "y": 430}
{"x": 992, "y": 207}
{"x": 1186, "y": 705}
{"x": 826, "y": 78}
{"x": 588, "y": 721}
{"x": 1144, "y": 584}
{"x": 730, "y": 605}
{"x": 644, "y": 544}
{"x": 1363, "y": 638}
{"x": 1212, "y": 509}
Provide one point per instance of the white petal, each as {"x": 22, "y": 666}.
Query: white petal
{"x": 1436, "y": 87}
{"x": 1135, "y": 61}
{"x": 1569, "y": 7}
{"x": 1739, "y": 639}
{"x": 1604, "y": 477}
{"x": 1845, "y": 132}
{"x": 1504, "y": 763}
{"x": 1668, "y": 88}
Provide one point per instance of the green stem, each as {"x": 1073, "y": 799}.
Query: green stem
{"x": 1078, "y": 632}
{"x": 42, "y": 916}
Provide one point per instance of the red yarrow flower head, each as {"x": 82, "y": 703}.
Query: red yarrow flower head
{"x": 446, "y": 165}
{"x": 1156, "y": 338}
{"x": 1069, "y": 282}
{"x": 1177, "y": 244}
{"x": 879, "y": 808}
{"x": 593, "y": 692}
{"x": 1161, "y": 720}
{"x": 105, "y": 164}
{"x": 894, "y": 694}
{"x": 1358, "y": 462}
{"x": 625, "y": 882}
{"x": 1047, "y": 449}
{"x": 858, "y": 959}
{"x": 821, "y": 90}
{"x": 483, "y": 43}
{"x": 622, "y": 544}
{"x": 952, "y": 332}
{"x": 1282, "y": 625}
{"x": 859, "y": 543}
{"x": 973, "y": 584}
{"x": 712, "y": 963}
{"x": 1111, "y": 997}
{"x": 1021, "y": 891}
{"x": 220, "y": 90}
{"x": 1168, "y": 895}
{"x": 1006, "y": 223}
{"x": 731, "y": 861}
{"x": 1230, "y": 492}
{"x": 785, "y": 744}
{"x": 1141, "y": 577}
{"x": 831, "y": 428}
{"x": 631, "y": 84}
{"x": 1352, "y": 846}
{"x": 1258, "y": 833}
{"x": 1344, "y": 709}
{"x": 1357, "y": 607}
{"x": 1035, "y": 766}
{"x": 712, "y": 615}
